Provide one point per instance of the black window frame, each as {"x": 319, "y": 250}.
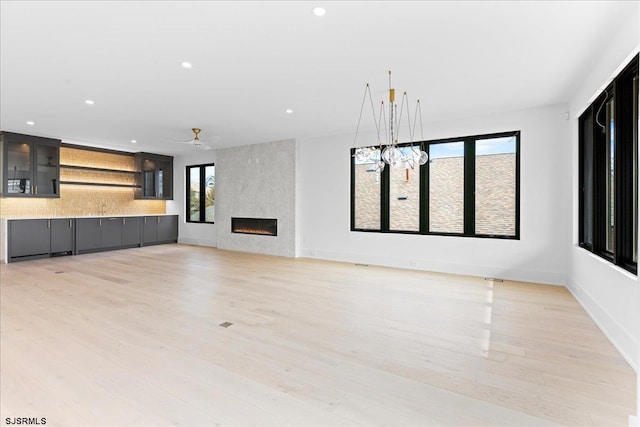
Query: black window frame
{"x": 592, "y": 152}
{"x": 202, "y": 169}
{"x": 469, "y": 189}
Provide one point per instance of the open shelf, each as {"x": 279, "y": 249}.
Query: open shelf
{"x": 87, "y": 168}
{"x": 98, "y": 177}
{"x": 99, "y": 184}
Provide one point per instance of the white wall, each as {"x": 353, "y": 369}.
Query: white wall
{"x": 190, "y": 233}
{"x": 539, "y": 256}
{"x": 608, "y": 293}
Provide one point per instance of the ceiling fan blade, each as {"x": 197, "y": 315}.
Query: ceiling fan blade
{"x": 198, "y": 142}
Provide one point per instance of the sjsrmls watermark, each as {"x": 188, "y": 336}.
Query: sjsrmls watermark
{"x": 34, "y": 421}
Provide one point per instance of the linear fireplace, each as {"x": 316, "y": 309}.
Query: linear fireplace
{"x": 259, "y": 226}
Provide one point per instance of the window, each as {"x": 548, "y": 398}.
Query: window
{"x": 608, "y": 150}
{"x": 201, "y": 191}
{"x": 446, "y": 187}
{"x": 366, "y": 193}
{"x": 404, "y": 198}
{"x": 495, "y": 189}
{"x": 469, "y": 187}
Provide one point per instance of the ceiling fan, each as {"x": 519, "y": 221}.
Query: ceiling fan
{"x": 196, "y": 140}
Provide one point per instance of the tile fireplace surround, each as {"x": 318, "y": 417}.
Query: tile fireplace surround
{"x": 257, "y": 182}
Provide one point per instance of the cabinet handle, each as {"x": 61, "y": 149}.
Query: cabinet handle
{"x": 158, "y": 220}
{"x": 124, "y": 221}
{"x": 100, "y": 222}
{"x": 48, "y": 223}
{"x": 70, "y": 223}
{"x": 145, "y": 219}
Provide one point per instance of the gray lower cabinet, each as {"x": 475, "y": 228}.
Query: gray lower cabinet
{"x": 131, "y": 231}
{"x": 149, "y": 230}
{"x": 40, "y": 238}
{"x": 167, "y": 229}
{"x": 88, "y": 234}
{"x": 28, "y": 238}
{"x": 97, "y": 234}
{"x": 160, "y": 229}
{"x": 111, "y": 233}
{"x": 62, "y": 236}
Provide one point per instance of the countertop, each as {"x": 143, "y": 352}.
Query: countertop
{"x": 85, "y": 216}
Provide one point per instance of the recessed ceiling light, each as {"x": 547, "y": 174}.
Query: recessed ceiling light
{"x": 288, "y": 111}
{"x": 319, "y": 11}
{"x": 186, "y": 64}
{"x": 89, "y": 101}
{"x": 133, "y": 141}
{"x": 30, "y": 123}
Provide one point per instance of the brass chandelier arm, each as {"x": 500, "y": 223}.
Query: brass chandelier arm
{"x": 388, "y": 152}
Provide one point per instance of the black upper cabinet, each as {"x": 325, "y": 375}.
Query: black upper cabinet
{"x": 30, "y": 166}
{"x": 155, "y": 176}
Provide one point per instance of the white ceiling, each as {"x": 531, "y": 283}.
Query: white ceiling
{"x": 253, "y": 60}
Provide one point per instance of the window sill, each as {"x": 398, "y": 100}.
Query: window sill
{"x": 608, "y": 263}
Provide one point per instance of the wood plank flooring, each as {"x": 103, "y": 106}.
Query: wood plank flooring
{"x": 133, "y": 337}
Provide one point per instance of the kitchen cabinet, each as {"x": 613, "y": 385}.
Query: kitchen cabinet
{"x": 155, "y": 177}
{"x": 28, "y": 238}
{"x": 111, "y": 232}
{"x": 39, "y": 238}
{"x": 30, "y": 166}
{"x": 149, "y": 230}
{"x": 167, "y": 229}
{"x": 159, "y": 229}
{"x": 131, "y": 231}
{"x": 62, "y": 236}
{"x": 88, "y": 234}
{"x": 97, "y": 234}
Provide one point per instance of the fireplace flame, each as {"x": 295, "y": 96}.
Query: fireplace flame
{"x": 253, "y": 231}
{"x": 258, "y": 226}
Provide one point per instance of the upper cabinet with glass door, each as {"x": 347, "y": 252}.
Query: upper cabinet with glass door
{"x": 155, "y": 176}
{"x": 30, "y": 166}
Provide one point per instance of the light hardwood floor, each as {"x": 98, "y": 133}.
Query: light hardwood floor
{"x": 132, "y": 337}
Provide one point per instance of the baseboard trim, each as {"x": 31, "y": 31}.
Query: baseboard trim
{"x": 622, "y": 340}
{"x": 197, "y": 242}
{"x": 520, "y": 275}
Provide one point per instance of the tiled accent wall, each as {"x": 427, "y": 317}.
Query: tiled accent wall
{"x": 81, "y": 200}
{"x": 95, "y": 159}
{"x": 84, "y": 200}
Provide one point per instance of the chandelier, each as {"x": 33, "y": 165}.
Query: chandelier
{"x": 387, "y": 151}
